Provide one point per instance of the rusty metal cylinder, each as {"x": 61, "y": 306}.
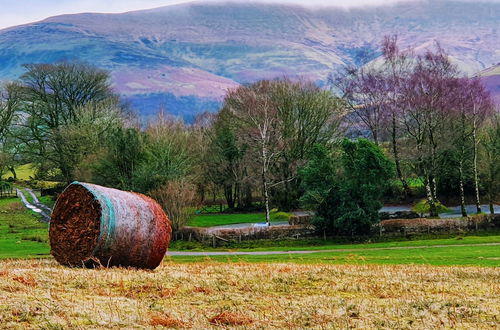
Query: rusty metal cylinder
{"x": 93, "y": 226}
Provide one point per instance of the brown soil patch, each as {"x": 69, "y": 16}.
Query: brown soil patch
{"x": 75, "y": 226}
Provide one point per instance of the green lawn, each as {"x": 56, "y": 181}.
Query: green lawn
{"x": 209, "y": 220}
{"x": 319, "y": 244}
{"x": 453, "y": 255}
{"x": 21, "y": 234}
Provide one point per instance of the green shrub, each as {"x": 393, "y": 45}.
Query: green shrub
{"x": 280, "y": 216}
{"x": 353, "y": 201}
{"x": 423, "y": 207}
{"x": 41, "y": 184}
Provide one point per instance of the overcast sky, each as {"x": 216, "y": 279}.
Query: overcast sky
{"x": 16, "y": 12}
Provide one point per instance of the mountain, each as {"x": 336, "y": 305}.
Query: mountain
{"x": 491, "y": 79}
{"x": 185, "y": 57}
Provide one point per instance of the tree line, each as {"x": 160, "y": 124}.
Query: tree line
{"x": 282, "y": 143}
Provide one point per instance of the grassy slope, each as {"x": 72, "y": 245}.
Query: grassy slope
{"x": 42, "y": 294}
{"x": 23, "y": 172}
{"x": 21, "y": 235}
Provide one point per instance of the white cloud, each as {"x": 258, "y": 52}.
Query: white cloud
{"x": 16, "y": 12}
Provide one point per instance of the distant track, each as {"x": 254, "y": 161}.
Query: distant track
{"x": 265, "y": 253}
{"x": 37, "y": 202}
{"x": 36, "y": 207}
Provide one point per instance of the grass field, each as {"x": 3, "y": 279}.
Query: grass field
{"x": 320, "y": 244}
{"x": 362, "y": 287}
{"x": 21, "y": 234}
{"x": 477, "y": 255}
{"x": 209, "y": 220}
{"x": 42, "y": 294}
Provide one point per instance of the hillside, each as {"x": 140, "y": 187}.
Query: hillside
{"x": 491, "y": 79}
{"x": 186, "y": 56}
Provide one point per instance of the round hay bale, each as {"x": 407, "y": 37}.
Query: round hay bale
{"x": 97, "y": 226}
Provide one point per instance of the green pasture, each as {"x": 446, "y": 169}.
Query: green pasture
{"x": 209, "y": 220}
{"x": 447, "y": 256}
{"x": 21, "y": 234}
{"x": 331, "y": 244}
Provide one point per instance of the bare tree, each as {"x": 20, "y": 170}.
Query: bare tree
{"x": 396, "y": 67}
{"x": 426, "y": 107}
{"x": 374, "y": 92}
{"x": 253, "y": 108}
{"x": 9, "y": 101}
{"x": 309, "y": 115}
{"x": 472, "y": 105}
{"x": 177, "y": 198}
{"x": 481, "y": 106}
{"x": 490, "y": 150}
{"x": 363, "y": 89}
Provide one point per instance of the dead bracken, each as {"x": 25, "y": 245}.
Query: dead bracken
{"x": 251, "y": 296}
{"x": 230, "y": 318}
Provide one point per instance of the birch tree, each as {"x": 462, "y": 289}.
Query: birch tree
{"x": 253, "y": 108}
{"x": 490, "y": 150}
{"x": 480, "y": 107}
{"x": 472, "y": 105}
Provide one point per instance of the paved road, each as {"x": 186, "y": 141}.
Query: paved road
{"x": 266, "y": 253}
{"x": 455, "y": 211}
{"x": 471, "y": 209}
{"x": 246, "y": 225}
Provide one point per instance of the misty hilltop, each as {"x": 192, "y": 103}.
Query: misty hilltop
{"x": 185, "y": 57}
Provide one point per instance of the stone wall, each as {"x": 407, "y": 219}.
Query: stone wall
{"x": 215, "y": 236}
{"x": 424, "y": 225}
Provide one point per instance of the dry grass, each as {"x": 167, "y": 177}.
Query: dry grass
{"x": 42, "y": 294}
